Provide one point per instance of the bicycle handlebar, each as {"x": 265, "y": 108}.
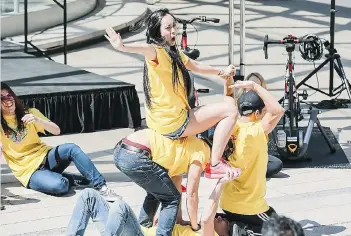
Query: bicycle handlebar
{"x": 290, "y": 40}
{"x": 199, "y": 18}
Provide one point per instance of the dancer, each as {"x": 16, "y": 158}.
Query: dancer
{"x": 243, "y": 199}
{"x": 275, "y": 165}
{"x": 119, "y": 219}
{"x": 150, "y": 160}
{"x": 35, "y": 164}
{"x": 167, "y": 85}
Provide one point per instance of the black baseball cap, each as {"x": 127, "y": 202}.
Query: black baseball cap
{"x": 249, "y": 102}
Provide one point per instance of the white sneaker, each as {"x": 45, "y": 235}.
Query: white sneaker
{"x": 238, "y": 231}
{"x": 109, "y": 194}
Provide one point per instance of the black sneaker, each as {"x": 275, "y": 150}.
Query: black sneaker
{"x": 77, "y": 180}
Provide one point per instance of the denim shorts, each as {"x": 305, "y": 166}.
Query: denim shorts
{"x": 179, "y": 132}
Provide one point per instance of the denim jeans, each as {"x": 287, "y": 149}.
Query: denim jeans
{"x": 275, "y": 165}
{"x": 49, "y": 178}
{"x": 179, "y": 132}
{"x": 117, "y": 219}
{"x": 155, "y": 180}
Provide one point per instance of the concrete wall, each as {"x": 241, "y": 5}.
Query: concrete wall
{"x": 42, "y": 17}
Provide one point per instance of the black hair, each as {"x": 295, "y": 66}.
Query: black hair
{"x": 153, "y": 36}
{"x": 20, "y": 111}
{"x": 281, "y": 226}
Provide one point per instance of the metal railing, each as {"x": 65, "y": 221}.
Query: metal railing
{"x": 38, "y": 50}
{"x": 242, "y": 35}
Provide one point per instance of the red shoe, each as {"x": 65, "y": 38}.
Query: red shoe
{"x": 216, "y": 172}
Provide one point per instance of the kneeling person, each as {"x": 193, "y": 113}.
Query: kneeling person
{"x": 243, "y": 199}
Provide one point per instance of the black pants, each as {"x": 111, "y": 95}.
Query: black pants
{"x": 253, "y": 222}
{"x": 274, "y": 166}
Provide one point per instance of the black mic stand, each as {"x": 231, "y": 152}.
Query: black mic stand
{"x": 333, "y": 57}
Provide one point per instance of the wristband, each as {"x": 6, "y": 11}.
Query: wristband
{"x": 198, "y": 228}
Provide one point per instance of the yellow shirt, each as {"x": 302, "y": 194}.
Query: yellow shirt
{"x": 246, "y": 194}
{"x": 177, "y": 155}
{"x": 24, "y": 152}
{"x": 178, "y": 230}
{"x": 168, "y": 106}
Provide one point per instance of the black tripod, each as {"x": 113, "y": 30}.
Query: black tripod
{"x": 334, "y": 62}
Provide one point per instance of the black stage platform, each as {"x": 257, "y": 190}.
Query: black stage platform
{"x": 77, "y": 100}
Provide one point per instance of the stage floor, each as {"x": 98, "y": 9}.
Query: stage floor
{"x": 82, "y": 97}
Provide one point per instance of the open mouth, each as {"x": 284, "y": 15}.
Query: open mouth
{"x": 8, "y": 105}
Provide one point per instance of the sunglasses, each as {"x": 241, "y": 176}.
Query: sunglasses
{"x": 8, "y": 97}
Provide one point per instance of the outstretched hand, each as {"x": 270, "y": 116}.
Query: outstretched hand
{"x": 228, "y": 73}
{"x": 230, "y": 70}
{"x": 114, "y": 38}
{"x": 249, "y": 85}
{"x": 231, "y": 175}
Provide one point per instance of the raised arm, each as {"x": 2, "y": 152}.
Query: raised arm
{"x": 210, "y": 70}
{"x": 140, "y": 48}
{"x": 228, "y": 91}
{"x": 274, "y": 111}
{"x": 41, "y": 122}
{"x": 207, "y": 219}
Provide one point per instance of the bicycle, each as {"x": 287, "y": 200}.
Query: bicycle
{"x": 294, "y": 145}
{"x": 193, "y": 54}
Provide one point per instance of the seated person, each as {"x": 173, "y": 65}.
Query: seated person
{"x": 36, "y": 165}
{"x": 119, "y": 219}
{"x": 243, "y": 199}
{"x": 150, "y": 160}
{"x": 281, "y": 226}
{"x": 275, "y": 165}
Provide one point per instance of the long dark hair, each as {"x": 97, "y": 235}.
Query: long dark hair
{"x": 20, "y": 111}
{"x": 153, "y": 36}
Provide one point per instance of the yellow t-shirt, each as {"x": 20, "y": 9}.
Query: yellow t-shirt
{"x": 178, "y": 230}
{"x": 168, "y": 106}
{"x": 246, "y": 194}
{"x": 24, "y": 151}
{"x": 177, "y": 155}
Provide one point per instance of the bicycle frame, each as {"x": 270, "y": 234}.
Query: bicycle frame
{"x": 184, "y": 43}
{"x": 290, "y": 87}
{"x": 296, "y": 144}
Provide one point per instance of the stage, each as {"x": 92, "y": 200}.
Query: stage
{"x": 77, "y": 100}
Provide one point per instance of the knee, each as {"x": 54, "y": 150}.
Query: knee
{"x": 88, "y": 193}
{"x": 277, "y": 164}
{"x": 120, "y": 208}
{"x": 60, "y": 187}
{"x": 71, "y": 147}
{"x": 230, "y": 106}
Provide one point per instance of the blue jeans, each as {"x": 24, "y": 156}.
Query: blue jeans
{"x": 179, "y": 132}
{"x": 117, "y": 220}
{"x": 139, "y": 167}
{"x": 49, "y": 179}
{"x": 274, "y": 166}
